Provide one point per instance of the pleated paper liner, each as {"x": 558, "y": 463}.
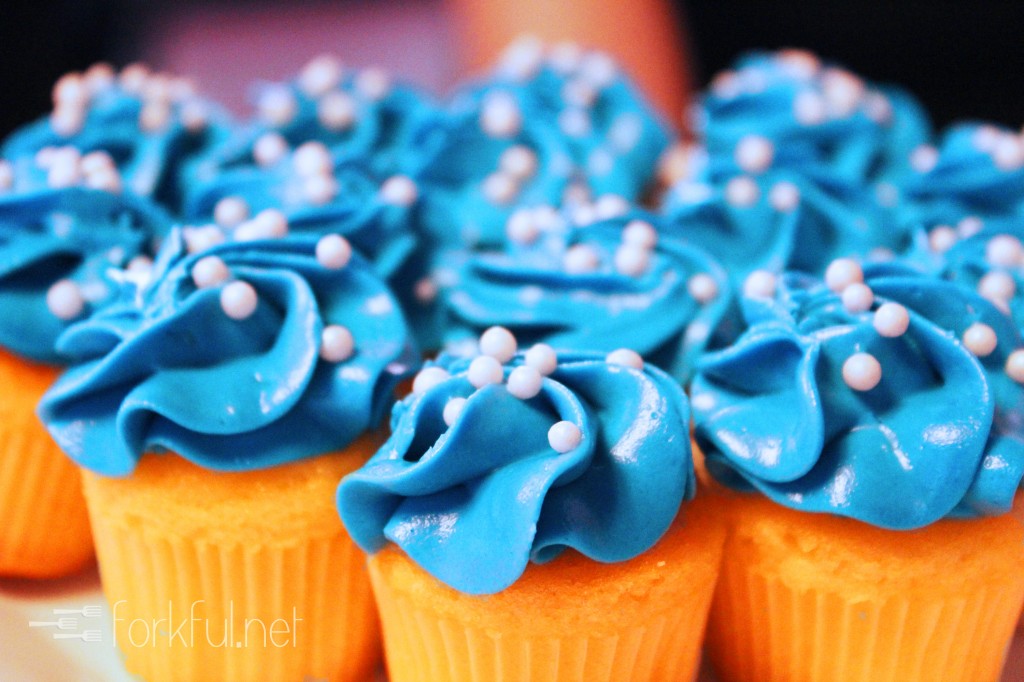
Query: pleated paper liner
{"x": 238, "y": 576}
{"x": 570, "y": 620}
{"x": 44, "y": 527}
{"x": 817, "y": 598}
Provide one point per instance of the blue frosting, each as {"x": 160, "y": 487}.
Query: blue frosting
{"x": 50, "y": 234}
{"x": 166, "y": 368}
{"x": 527, "y": 289}
{"x": 474, "y": 503}
{"x": 152, "y": 162}
{"x": 823, "y": 121}
{"x": 941, "y": 435}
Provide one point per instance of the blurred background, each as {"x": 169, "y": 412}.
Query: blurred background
{"x": 963, "y": 60}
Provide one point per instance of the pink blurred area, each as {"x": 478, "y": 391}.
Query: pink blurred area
{"x": 225, "y": 46}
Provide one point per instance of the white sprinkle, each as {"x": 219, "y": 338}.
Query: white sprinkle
{"x": 518, "y": 161}
{"x": 640, "y": 234}
{"x": 969, "y": 226}
{"x": 741, "y": 191}
{"x": 942, "y": 238}
{"x": 784, "y": 196}
{"x": 277, "y": 105}
{"x": 67, "y": 120}
{"x": 230, "y": 211}
{"x": 498, "y": 343}
{"x": 336, "y": 111}
{"x": 108, "y": 180}
{"x": 238, "y": 300}
{"x": 754, "y": 153}
{"x": 862, "y": 372}
{"x": 1004, "y": 251}
{"x": 269, "y": 148}
{"x": 500, "y": 116}
{"x": 841, "y": 273}
{"x": 336, "y": 343}
{"x": 97, "y": 162}
{"x": 333, "y": 251}
{"x": 574, "y": 122}
{"x": 70, "y": 90}
{"x": 198, "y": 239}
{"x": 65, "y": 300}
{"x": 579, "y": 93}
{"x": 858, "y": 298}
{"x": 320, "y": 75}
{"x": 452, "y": 409}
{"x": 1015, "y": 366}
{"x": 320, "y": 189}
{"x": 373, "y": 83}
{"x": 521, "y": 227}
{"x": 564, "y": 437}
{"x": 610, "y": 206}
{"x": 499, "y": 188}
{"x": 271, "y": 223}
{"x": 484, "y": 370}
{"x": 427, "y": 378}
{"x": 524, "y": 382}
{"x": 155, "y": 116}
{"x": 542, "y": 358}
{"x": 6, "y": 175}
{"x": 891, "y": 320}
{"x": 997, "y": 286}
{"x": 210, "y": 271}
{"x": 809, "y": 108}
{"x": 194, "y": 116}
{"x": 1008, "y": 154}
{"x": 759, "y": 284}
{"x": 632, "y": 261}
{"x": 924, "y": 158}
{"x": 565, "y": 57}
{"x": 625, "y": 358}
{"x": 312, "y": 158}
{"x": 580, "y": 259}
{"x": 980, "y": 339}
{"x": 703, "y": 288}
{"x": 598, "y": 69}
{"x": 399, "y": 190}
{"x": 64, "y": 172}
{"x": 523, "y": 58}
{"x": 843, "y": 91}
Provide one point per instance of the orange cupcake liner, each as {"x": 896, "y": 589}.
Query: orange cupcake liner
{"x": 44, "y": 527}
{"x": 573, "y": 619}
{"x": 254, "y": 579}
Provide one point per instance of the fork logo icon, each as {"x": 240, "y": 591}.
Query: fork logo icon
{"x": 66, "y": 620}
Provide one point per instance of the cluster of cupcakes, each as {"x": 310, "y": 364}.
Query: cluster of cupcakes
{"x": 212, "y": 318}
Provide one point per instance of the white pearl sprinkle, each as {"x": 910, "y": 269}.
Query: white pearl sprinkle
{"x": 741, "y": 191}
{"x": 1015, "y": 366}
{"x": 499, "y": 188}
{"x": 891, "y": 320}
{"x": 70, "y": 90}
{"x": 373, "y": 83}
{"x": 924, "y": 158}
{"x": 1004, "y": 251}
{"x": 97, "y": 162}
{"x": 210, "y": 271}
{"x": 542, "y": 358}
{"x": 564, "y": 437}
{"x": 703, "y": 288}
{"x": 997, "y": 285}
{"x": 320, "y": 189}
{"x": 399, "y": 190}
{"x": 759, "y": 284}
{"x": 194, "y": 116}
{"x": 498, "y": 343}
{"x": 610, "y": 206}
{"x": 336, "y": 343}
{"x": 269, "y": 148}
{"x": 336, "y": 111}
{"x": 271, "y": 223}
{"x": 809, "y": 108}
{"x": 65, "y": 300}
{"x": 598, "y": 69}
{"x": 484, "y": 370}
{"x": 565, "y": 57}
{"x": 64, "y": 172}
{"x": 277, "y": 105}
{"x": 980, "y": 339}
{"x": 579, "y": 93}
{"x": 67, "y": 120}
{"x": 574, "y": 122}
{"x": 312, "y": 158}
{"x": 784, "y": 196}
{"x": 841, "y": 273}
{"x": 6, "y": 175}
{"x": 985, "y": 138}
{"x": 524, "y": 382}
{"x": 518, "y": 161}
{"x": 580, "y": 259}
{"x": 631, "y": 260}
{"x": 861, "y": 372}
{"x": 230, "y": 211}
{"x": 640, "y": 234}
{"x": 427, "y": 378}
{"x": 199, "y": 239}
{"x": 452, "y": 409}
{"x": 942, "y": 238}
{"x": 625, "y": 358}
{"x": 843, "y": 91}
{"x": 523, "y": 58}
{"x": 333, "y": 251}
{"x": 500, "y": 116}
{"x": 800, "y": 63}
{"x": 858, "y": 297}
{"x": 521, "y": 227}
{"x": 238, "y": 300}
{"x": 320, "y": 75}
{"x": 155, "y": 116}
{"x": 969, "y": 226}
{"x": 108, "y": 180}
{"x": 1008, "y": 153}
{"x": 754, "y": 153}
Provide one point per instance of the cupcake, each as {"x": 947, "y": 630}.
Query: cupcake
{"x": 524, "y": 521}
{"x": 213, "y": 409}
{"x": 592, "y": 277}
{"x": 152, "y": 125}
{"x": 64, "y": 222}
{"x": 874, "y": 423}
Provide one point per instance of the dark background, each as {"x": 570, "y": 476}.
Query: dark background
{"x": 963, "y": 59}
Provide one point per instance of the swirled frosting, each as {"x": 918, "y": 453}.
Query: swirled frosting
{"x": 788, "y": 110}
{"x": 795, "y": 409}
{"x": 360, "y": 115}
{"x": 619, "y": 281}
{"x": 152, "y": 125}
{"x": 62, "y": 232}
{"x": 168, "y": 368}
{"x": 783, "y": 220}
{"x": 473, "y": 503}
